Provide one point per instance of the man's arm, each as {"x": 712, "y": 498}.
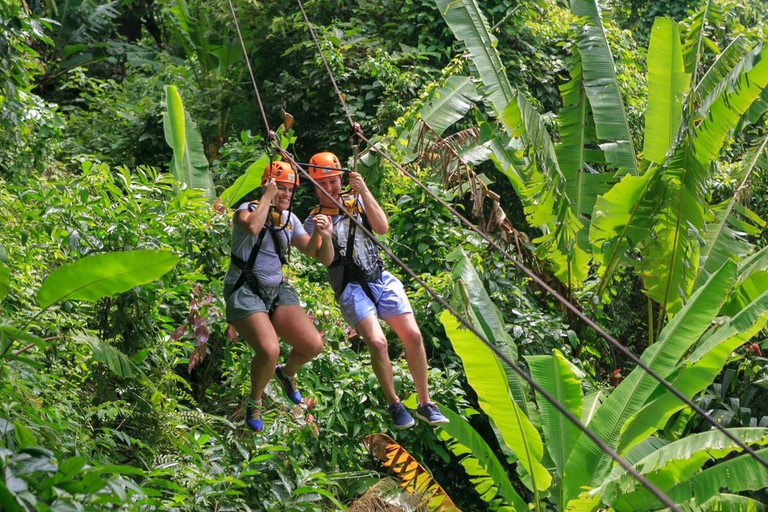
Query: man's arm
{"x": 376, "y": 216}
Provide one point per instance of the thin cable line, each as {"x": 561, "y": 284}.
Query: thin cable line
{"x": 565, "y": 412}
{"x": 599, "y": 330}
{"x": 327, "y": 68}
{"x": 576, "y": 311}
{"x": 250, "y": 71}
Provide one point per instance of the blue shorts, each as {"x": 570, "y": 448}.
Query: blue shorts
{"x": 389, "y": 295}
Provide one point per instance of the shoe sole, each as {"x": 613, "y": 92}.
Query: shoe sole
{"x": 409, "y": 425}
{"x": 433, "y": 423}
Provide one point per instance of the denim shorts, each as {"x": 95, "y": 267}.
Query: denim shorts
{"x": 243, "y": 302}
{"x": 388, "y": 293}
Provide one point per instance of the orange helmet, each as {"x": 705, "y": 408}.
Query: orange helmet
{"x": 327, "y": 164}
{"x": 281, "y": 171}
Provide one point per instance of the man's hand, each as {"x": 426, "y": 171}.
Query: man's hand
{"x": 357, "y": 184}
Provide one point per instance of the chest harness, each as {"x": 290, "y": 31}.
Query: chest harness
{"x": 247, "y": 276}
{"x": 352, "y": 272}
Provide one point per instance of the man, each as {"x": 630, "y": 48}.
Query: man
{"x": 364, "y": 291}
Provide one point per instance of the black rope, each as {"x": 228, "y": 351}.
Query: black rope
{"x": 565, "y": 412}
{"x": 576, "y": 311}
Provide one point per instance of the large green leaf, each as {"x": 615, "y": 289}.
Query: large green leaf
{"x": 725, "y": 237}
{"x": 667, "y": 85}
{"x": 485, "y": 375}
{"x": 468, "y": 24}
{"x": 740, "y": 474}
{"x": 588, "y": 464}
{"x": 102, "y": 275}
{"x": 674, "y": 464}
{"x": 698, "y": 371}
{"x": 556, "y": 376}
{"x": 726, "y": 61}
{"x": 189, "y": 165}
{"x": 491, "y": 323}
{"x": 602, "y": 89}
{"x": 473, "y": 444}
{"x": 733, "y": 98}
{"x": 723, "y": 503}
{"x": 622, "y": 218}
{"x": 250, "y": 179}
{"x": 582, "y": 183}
{"x": 545, "y": 191}
{"x": 450, "y": 103}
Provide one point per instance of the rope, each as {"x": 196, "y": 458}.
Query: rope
{"x": 576, "y": 311}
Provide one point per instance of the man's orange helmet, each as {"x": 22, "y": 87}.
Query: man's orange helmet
{"x": 281, "y": 171}
{"x": 326, "y": 163}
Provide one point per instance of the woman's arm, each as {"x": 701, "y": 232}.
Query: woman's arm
{"x": 252, "y": 221}
{"x": 319, "y": 244}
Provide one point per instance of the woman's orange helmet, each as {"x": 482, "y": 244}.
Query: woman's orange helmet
{"x": 327, "y": 164}
{"x": 281, "y": 171}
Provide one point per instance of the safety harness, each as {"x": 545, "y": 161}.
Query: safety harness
{"x": 352, "y": 272}
{"x": 247, "y": 275}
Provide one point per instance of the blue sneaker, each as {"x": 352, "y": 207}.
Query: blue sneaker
{"x": 400, "y": 416}
{"x": 288, "y": 384}
{"x": 430, "y": 414}
{"x": 253, "y": 415}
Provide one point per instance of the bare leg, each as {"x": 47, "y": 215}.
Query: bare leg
{"x": 258, "y": 332}
{"x": 408, "y": 331}
{"x": 295, "y": 328}
{"x": 371, "y": 332}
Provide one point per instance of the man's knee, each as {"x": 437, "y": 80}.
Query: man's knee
{"x": 377, "y": 344}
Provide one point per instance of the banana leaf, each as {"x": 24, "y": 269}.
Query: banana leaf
{"x": 470, "y": 26}
{"x": 667, "y": 85}
{"x": 588, "y": 464}
{"x": 102, "y": 275}
{"x": 698, "y": 371}
{"x": 674, "y": 464}
{"x": 484, "y": 465}
{"x": 723, "y": 237}
{"x": 555, "y": 375}
{"x": 723, "y": 503}
{"x": 485, "y": 375}
{"x": 732, "y": 98}
{"x": 602, "y": 89}
{"x": 742, "y": 473}
{"x": 491, "y": 323}
{"x": 188, "y": 165}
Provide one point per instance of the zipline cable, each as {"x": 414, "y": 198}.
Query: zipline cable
{"x": 576, "y": 311}
{"x": 555, "y": 403}
{"x": 565, "y": 412}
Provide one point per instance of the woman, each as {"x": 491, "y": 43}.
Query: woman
{"x": 261, "y": 305}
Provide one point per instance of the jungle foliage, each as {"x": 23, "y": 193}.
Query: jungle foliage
{"x": 618, "y": 149}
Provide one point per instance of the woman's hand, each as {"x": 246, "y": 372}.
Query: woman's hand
{"x": 324, "y": 224}
{"x": 269, "y": 190}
